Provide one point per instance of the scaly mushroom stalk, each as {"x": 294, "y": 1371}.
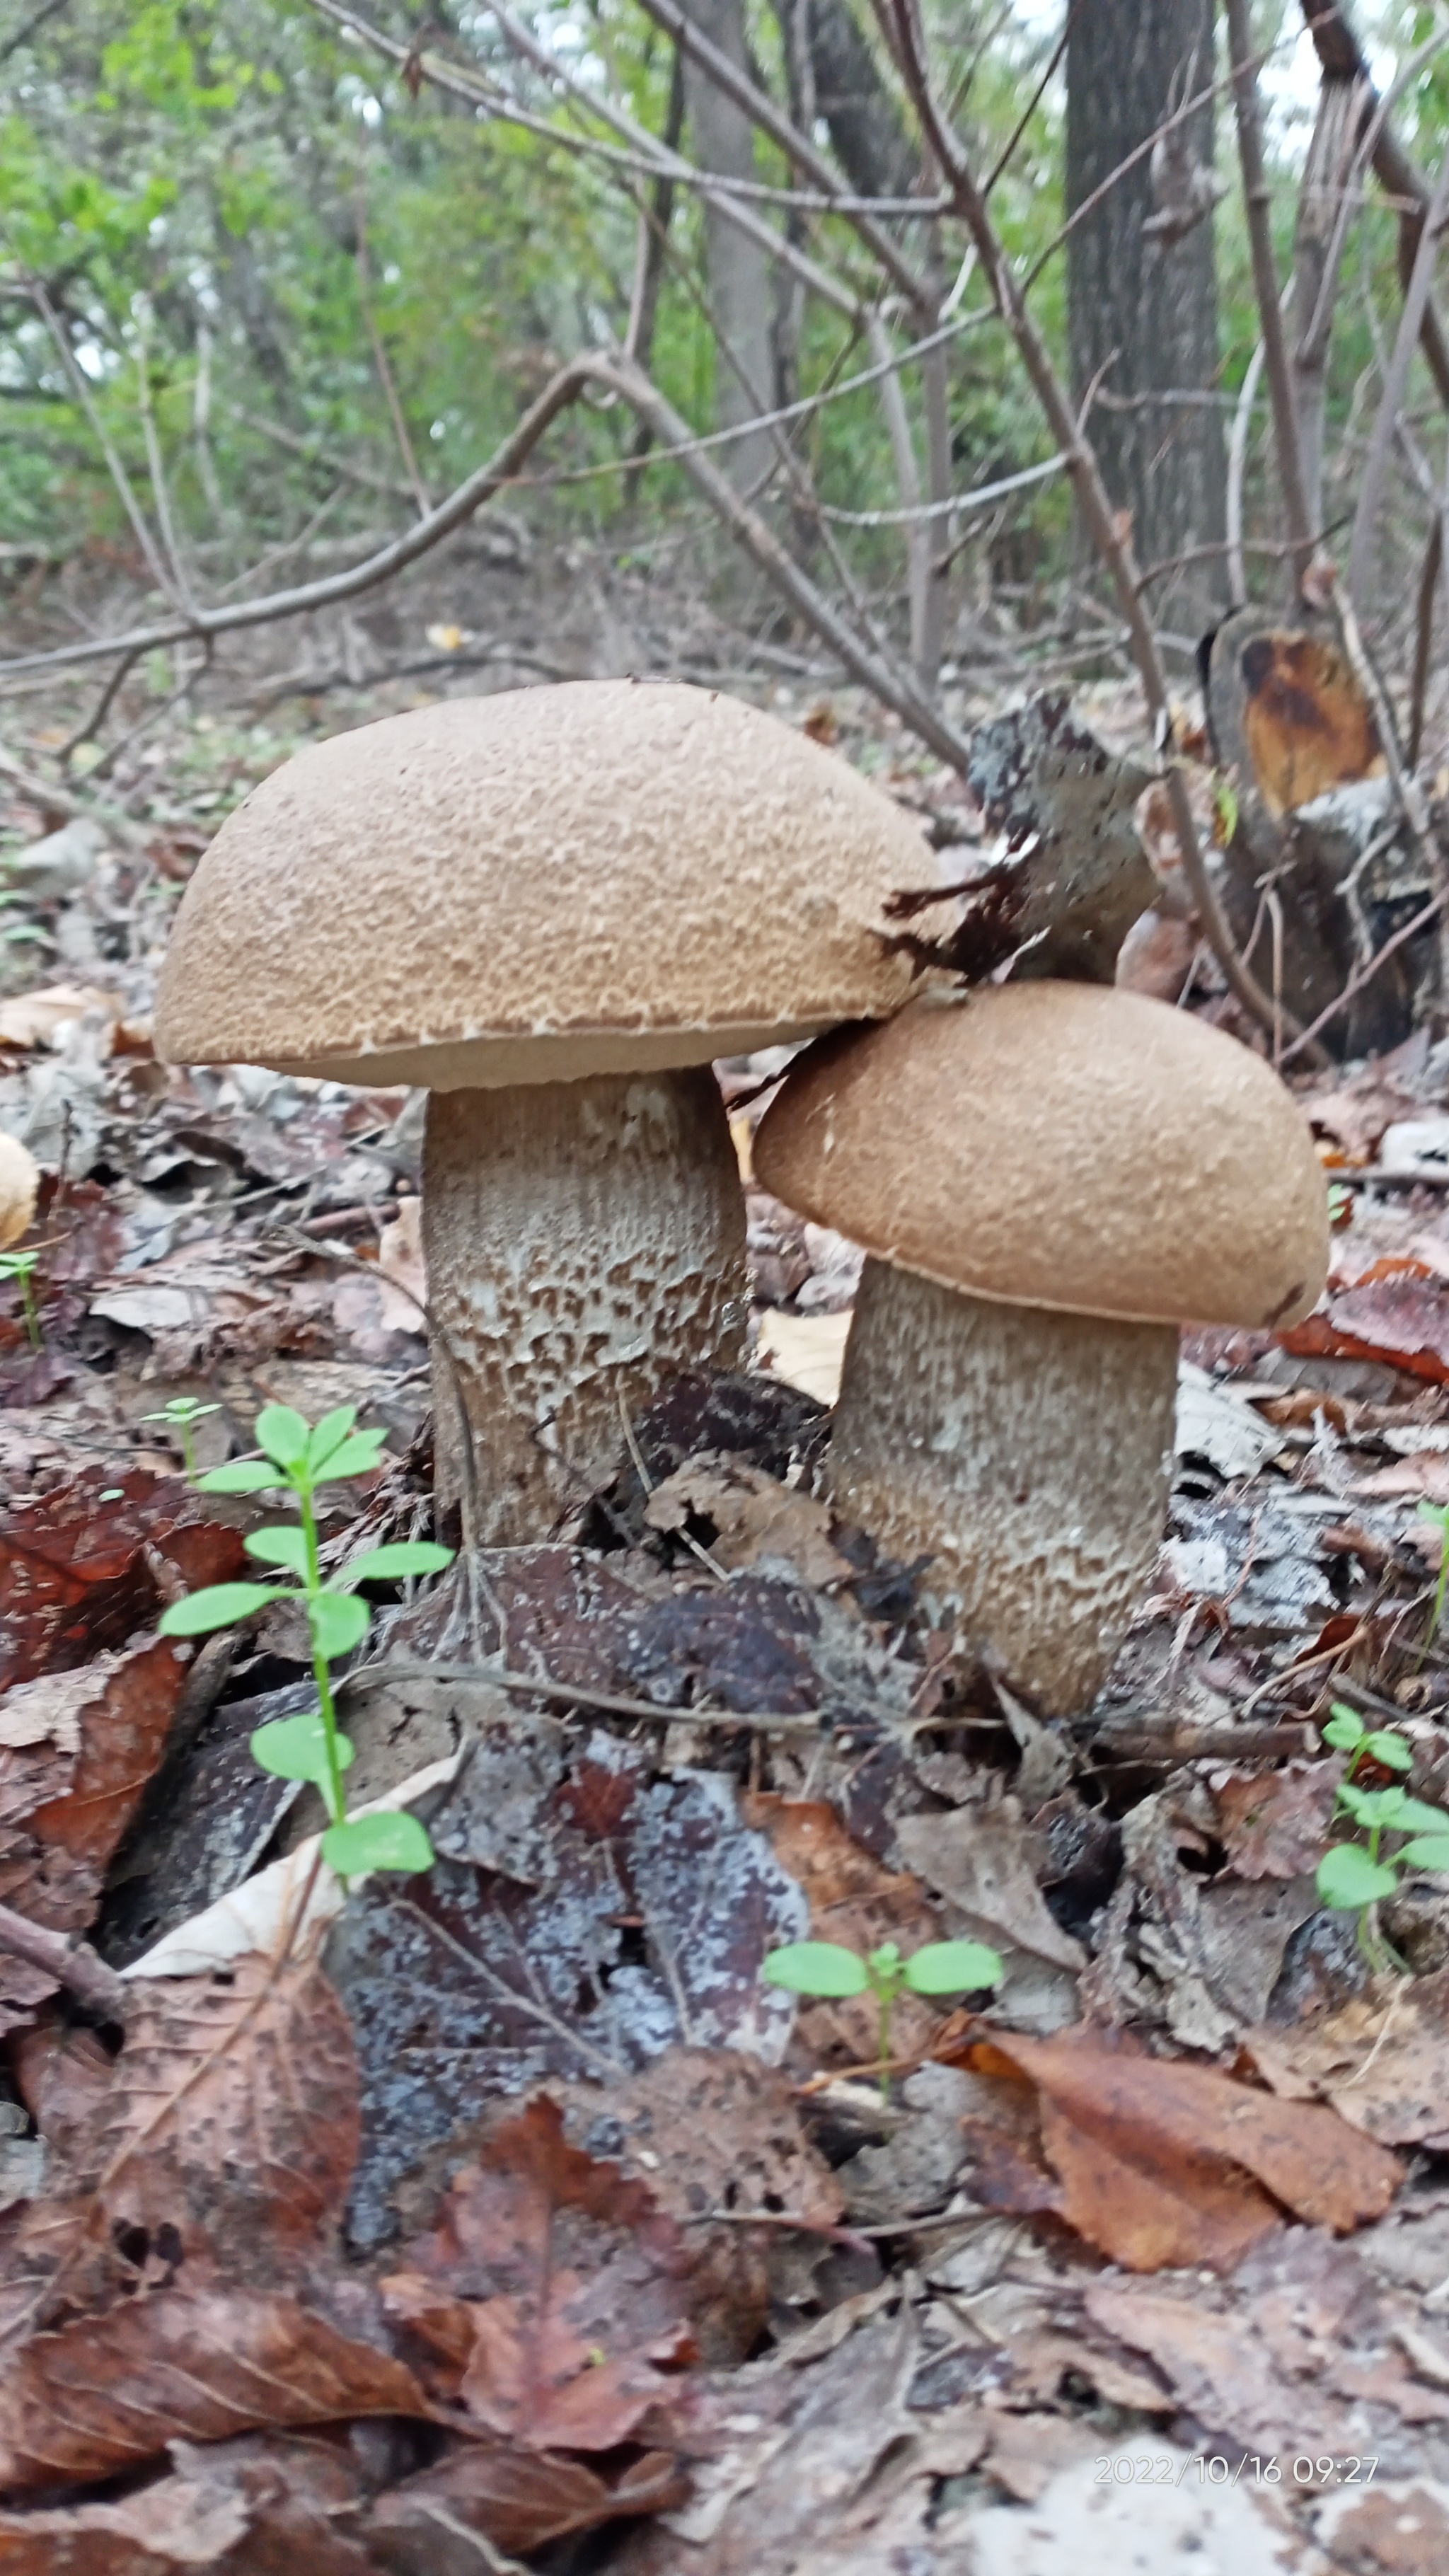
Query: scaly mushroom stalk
{"x": 585, "y": 1241}
{"x": 1026, "y": 1453}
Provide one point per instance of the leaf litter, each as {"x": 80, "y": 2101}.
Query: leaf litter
{"x": 509, "y": 2206}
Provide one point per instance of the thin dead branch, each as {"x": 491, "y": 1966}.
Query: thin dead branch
{"x": 1258, "y": 201}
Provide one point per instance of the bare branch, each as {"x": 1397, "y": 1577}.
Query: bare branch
{"x": 794, "y": 145}
{"x": 1361, "y": 553}
{"x": 1108, "y": 534}
{"x": 1258, "y": 201}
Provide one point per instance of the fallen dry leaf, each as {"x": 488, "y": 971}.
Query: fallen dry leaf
{"x": 1161, "y": 2163}
{"x": 108, "y": 2392}
{"x": 32, "y": 1019}
{"x": 76, "y": 1752}
{"x": 229, "y": 2127}
{"x": 1400, "y": 1317}
{"x": 518, "y": 2499}
{"x": 752, "y": 1519}
{"x": 713, "y": 2129}
{"x": 1275, "y": 1823}
{"x": 1383, "y": 2064}
{"x": 78, "y": 1574}
{"x": 806, "y": 1351}
{"x": 549, "y": 2291}
{"x": 981, "y": 1859}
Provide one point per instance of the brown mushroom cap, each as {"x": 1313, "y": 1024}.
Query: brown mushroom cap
{"x": 1060, "y": 1145}
{"x": 537, "y": 886}
{"x": 19, "y": 1185}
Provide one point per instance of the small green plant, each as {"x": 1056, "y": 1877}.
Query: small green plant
{"x": 21, "y": 1266}
{"x": 1438, "y": 1513}
{"x": 298, "y": 1457}
{"x": 1353, "y": 1877}
{"x": 826, "y": 1968}
{"x": 181, "y": 1416}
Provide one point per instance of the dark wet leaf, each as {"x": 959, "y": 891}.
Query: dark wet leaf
{"x": 649, "y": 1929}
{"x": 78, "y": 1574}
{"x": 549, "y": 2295}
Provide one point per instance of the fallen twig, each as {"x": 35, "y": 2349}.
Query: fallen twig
{"x": 73, "y": 1964}
{"x": 571, "y": 1695}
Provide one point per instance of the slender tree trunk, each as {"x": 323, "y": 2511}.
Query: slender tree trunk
{"x": 1142, "y": 312}
{"x": 741, "y": 284}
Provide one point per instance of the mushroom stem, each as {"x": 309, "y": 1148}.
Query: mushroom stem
{"x": 1027, "y": 1453}
{"x": 585, "y": 1241}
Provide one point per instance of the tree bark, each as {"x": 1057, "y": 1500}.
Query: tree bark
{"x": 741, "y": 286}
{"x": 1142, "y": 314}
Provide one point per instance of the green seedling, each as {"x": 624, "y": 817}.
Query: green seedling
{"x": 1354, "y": 1877}
{"x": 1347, "y": 1733}
{"x": 181, "y": 1416}
{"x": 1438, "y": 1513}
{"x": 298, "y": 1458}
{"x": 21, "y": 1266}
{"x": 826, "y": 1968}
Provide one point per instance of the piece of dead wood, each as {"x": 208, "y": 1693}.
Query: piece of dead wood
{"x": 1071, "y": 875}
{"x": 72, "y": 1964}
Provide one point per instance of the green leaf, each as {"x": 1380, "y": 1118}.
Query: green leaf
{"x": 953, "y": 1968}
{"x": 1345, "y": 1728}
{"x": 815, "y": 1968}
{"x": 295, "y": 1748}
{"x": 356, "y": 1457}
{"x": 283, "y": 1434}
{"x": 389, "y": 1564}
{"x": 219, "y": 1606}
{"x": 1361, "y": 1804}
{"x": 1436, "y": 1512}
{"x": 240, "y": 1476}
{"x": 1415, "y": 1815}
{"x": 376, "y": 1842}
{"x": 1427, "y": 1851}
{"x": 281, "y": 1546}
{"x": 329, "y": 1434}
{"x": 1390, "y": 1749}
{"x": 1348, "y": 1880}
{"x": 338, "y": 1621}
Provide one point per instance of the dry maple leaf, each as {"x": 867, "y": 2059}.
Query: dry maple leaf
{"x": 1162, "y": 2163}
{"x": 549, "y": 2291}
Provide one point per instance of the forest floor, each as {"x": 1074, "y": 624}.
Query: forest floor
{"x": 503, "y": 2213}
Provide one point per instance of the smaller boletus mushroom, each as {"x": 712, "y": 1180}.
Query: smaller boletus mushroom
{"x": 1048, "y": 1179}
{"x": 19, "y": 1188}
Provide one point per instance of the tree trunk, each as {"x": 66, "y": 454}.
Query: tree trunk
{"x": 1142, "y": 311}
{"x": 740, "y": 280}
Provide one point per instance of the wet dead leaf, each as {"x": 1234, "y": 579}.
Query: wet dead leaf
{"x": 714, "y": 2130}
{"x": 78, "y": 1574}
{"x": 1162, "y": 2163}
{"x": 750, "y": 1519}
{"x": 466, "y": 1984}
{"x": 518, "y": 2499}
{"x": 110, "y": 2392}
{"x": 1275, "y": 1823}
{"x": 549, "y": 2293}
{"x": 1383, "y": 2062}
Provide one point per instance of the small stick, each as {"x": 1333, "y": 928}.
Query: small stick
{"x": 74, "y": 1965}
{"x": 568, "y": 1694}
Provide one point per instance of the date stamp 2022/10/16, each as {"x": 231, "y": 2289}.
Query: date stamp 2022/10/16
{"x": 1303, "y": 2469}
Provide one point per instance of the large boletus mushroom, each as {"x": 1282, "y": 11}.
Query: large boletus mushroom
{"x": 1048, "y": 1179}
{"x": 552, "y": 907}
